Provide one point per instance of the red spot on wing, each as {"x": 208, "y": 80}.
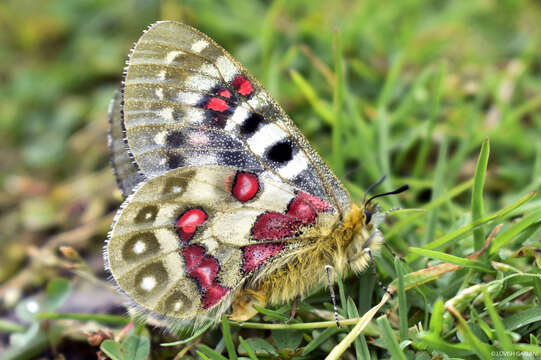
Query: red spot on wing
{"x": 302, "y": 211}
{"x": 224, "y": 93}
{"x": 213, "y": 295}
{"x": 203, "y": 268}
{"x": 205, "y": 272}
{"x": 317, "y": 203}
{"x": 217, "y": 104}
{"x": 245, "y": 186}
{"x": 273, "y": 225}
{"x": 255, "y": 255}
{"x": 188, "y": 222}
{"x": 242, "y": 85}
{"x": 193, "y": 255}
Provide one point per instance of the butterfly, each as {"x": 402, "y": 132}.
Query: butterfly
{"x": 227, "y": 204}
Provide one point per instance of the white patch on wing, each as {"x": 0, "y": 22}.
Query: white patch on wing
{"x": 227, "y": 68}
{"x": 203, "y": 159}
{"x": 189, "y": 98}
{"x": 162, "y": 74}
{"x": 160, "y": 137}
{"x": 265, "y": 137}
{"x": 237, "y": 118}
{"x": 166, "y": 113}
{"x": 294, "y": 166}
{"x": 210, "y": 244}
{"x": 148, "y": 283}
{"x": 200, "y": 82}
{"x": 194, "y": 116}
{"x": 139, "y": 247}
{"x": 259, "y": 100}
{"x": 199, "y": 45}
{"x": 210, "y": 70}
{"x": 159, "y": 93}
{"x": 172, "y": 55}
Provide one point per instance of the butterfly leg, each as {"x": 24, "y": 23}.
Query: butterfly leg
{"x": 243, "y": 305}
{"x": 293, "y": 310}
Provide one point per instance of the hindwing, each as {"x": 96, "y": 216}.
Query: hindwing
{"x": 126, "y": 173}
{"x": 187, "y": 102}
{"x": 185, "y": 241}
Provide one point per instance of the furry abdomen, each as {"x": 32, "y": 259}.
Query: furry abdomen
{"x": 304, "y": 269}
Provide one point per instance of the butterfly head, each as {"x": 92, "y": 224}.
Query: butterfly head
{"x": 370, "y": 209}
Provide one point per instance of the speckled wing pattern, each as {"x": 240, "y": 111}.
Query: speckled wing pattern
{"x": 232, "y": 183}
{"x": 184, "y": 242}
{"x": 126, "y": 173}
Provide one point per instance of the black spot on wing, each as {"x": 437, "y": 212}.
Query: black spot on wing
{"x": 175, "y": 138}
{"x": 175, "y": 160}
{"x": 251, "y": 124}
{"x": 281, "y": 152}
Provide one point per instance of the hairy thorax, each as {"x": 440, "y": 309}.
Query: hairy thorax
{"x": 344, "y": 248}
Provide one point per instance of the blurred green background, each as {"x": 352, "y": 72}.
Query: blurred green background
{"x": 435, "y": 71}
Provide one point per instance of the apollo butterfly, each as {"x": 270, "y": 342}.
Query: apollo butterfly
{"x": 227, "y": 205}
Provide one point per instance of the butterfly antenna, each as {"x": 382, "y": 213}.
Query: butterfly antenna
{"x": 372, "y": 187}
{"x": 397, "y": 191}
{"x": 333, "y": 296}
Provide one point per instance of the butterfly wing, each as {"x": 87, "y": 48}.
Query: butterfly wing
{"x": 185, "y": 241}
{"x": 187, "y": 102}
{"x": 126, "y": 173}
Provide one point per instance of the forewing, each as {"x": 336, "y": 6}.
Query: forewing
{"x": 126, "y": 173}
{"x": 187, "y": 102}
{"x": 184, "y": 241}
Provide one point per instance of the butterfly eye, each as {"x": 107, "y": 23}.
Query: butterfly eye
{"x": 367, "y": 216}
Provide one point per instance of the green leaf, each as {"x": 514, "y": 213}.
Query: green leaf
{"x": 286, "y": 339}
{"x": 112, "y": 349}
{"x": 261, "y": 347}
{"x": 522, "y": 318}
{"x": 136, "y": 348}
{"x": 58, "y": 291}
{"x": 243, "y": 345}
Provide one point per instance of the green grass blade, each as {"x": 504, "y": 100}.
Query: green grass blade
{"x": 338, "y": 100}
{"x": 321, "y": 107}
{"x": 226, "y": 331}
{"x": 467, "y": 263}
{"x": 508, "y": 234}
{"x": 437, "y": 191}
{"x": 436, "y": 320}
{"x": 480, "y": 348}
{"x": 499, "y": 328}
{"x": 477, "y": 194}
{"x": 465, "y": 229}
{"x": 402, "y": 301}
{"x": 318, "y": 340}
{"x": 433, "y": 115}
{"x": 390, "y": 340}
{"x": 210, "y": 353}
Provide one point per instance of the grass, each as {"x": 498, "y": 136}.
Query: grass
{"x": 441, "y": 95}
